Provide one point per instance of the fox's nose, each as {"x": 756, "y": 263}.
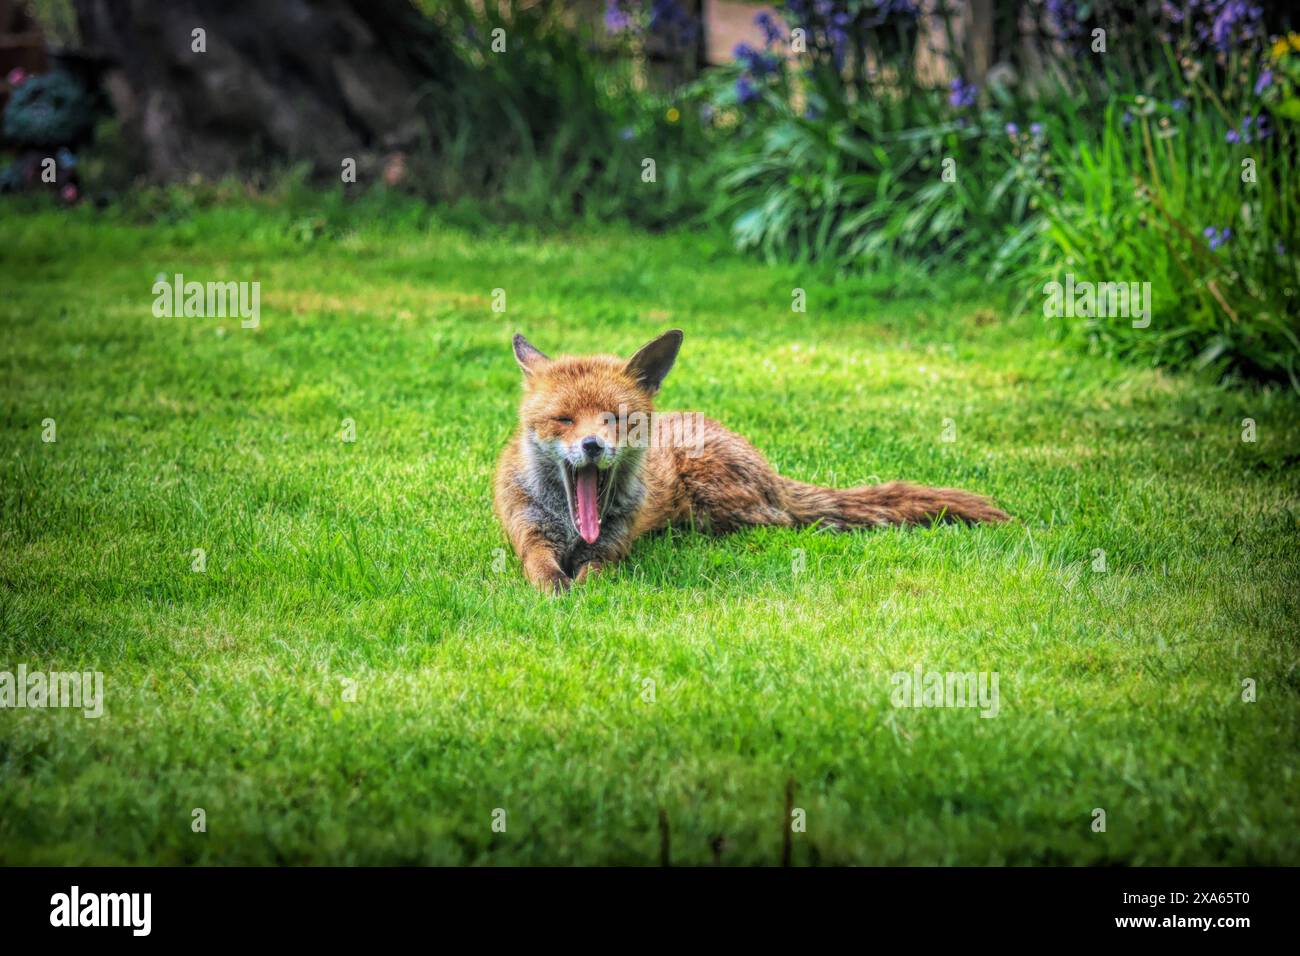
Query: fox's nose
{"x": 592, "y": 447}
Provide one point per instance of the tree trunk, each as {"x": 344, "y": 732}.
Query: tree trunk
{"x": 215, "y": 86}
{"x": 979, "y": 40}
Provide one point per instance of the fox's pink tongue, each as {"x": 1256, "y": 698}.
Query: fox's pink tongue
{"x": 588, "y": 519}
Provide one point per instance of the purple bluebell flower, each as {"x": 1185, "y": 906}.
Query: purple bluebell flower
{"x": 1218, "y": 25}
{"x": 771, "y": 29}
{"x": 617, "y": 17}
{"x": 835, "y": 27}
{"x": 1036, "y": 129}
{"x": 1012, "y": 129}
{"x": 962, "y": 94}
{"x": 1064, "y": 16}
{"x": 1263, "y": 81}
{"x": 755, "y": 61}
{"x": 837, "y": 33}
{"x": 1252, "y": 129}
{"x": 745, "y": 90}
{"x": 1234, "y": 20}
{"x": 1216, "y": 237}
{"x": 1178, "y": 105}
{"x": 667, "y": 18}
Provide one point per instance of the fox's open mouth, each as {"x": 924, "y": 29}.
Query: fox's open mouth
{"x": 586, "y": 492}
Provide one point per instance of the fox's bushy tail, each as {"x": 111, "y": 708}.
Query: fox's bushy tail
{"x": 878, "y": 506}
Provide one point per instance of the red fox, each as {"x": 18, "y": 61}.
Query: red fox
{"x": 592, "y": 467}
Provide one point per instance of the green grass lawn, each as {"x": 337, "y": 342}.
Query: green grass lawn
{"x": 769, "y": 654}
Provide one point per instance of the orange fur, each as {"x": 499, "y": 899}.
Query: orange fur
{"x": 691, "y": 470}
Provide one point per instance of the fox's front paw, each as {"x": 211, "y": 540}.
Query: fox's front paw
{"x": 547, "y": 576}
{"x": 556, "y": 585}
{"x": 590, "y": 569}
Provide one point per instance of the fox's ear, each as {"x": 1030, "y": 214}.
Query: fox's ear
{"x": 651, "y": 364}
{"x": 529, "y": 357}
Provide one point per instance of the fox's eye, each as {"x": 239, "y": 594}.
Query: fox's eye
{"x": 566, "y": 422}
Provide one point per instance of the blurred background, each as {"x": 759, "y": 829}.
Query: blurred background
{"x": 1029, "y": 140}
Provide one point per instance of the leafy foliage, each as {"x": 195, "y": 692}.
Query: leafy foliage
{"x": 1159, "y": 164}
{"x": 553, "y": 132}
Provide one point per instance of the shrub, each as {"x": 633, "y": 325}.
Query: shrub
{"x": 843, "y": 154}
{"x": 1163, "y": 164}
{"x": 1192, "y": 189}
{"x": 557, "y": 130}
